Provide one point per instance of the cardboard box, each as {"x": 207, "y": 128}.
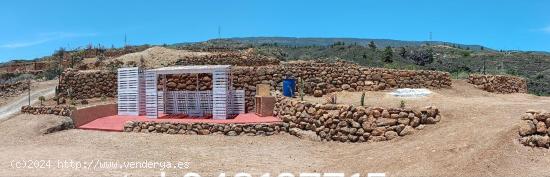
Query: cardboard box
{"x": 265, "y": 105}
{"x": 263, "y": 90}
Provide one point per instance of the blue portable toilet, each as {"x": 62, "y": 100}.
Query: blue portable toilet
{"x": 289, "y": 87}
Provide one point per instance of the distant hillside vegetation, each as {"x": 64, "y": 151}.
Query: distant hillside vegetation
{"x": 300, "y": 42}
{"x": 458, "y": 59}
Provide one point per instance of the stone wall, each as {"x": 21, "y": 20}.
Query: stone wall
{"x": 87, "y": 84}
{"x": 236, "y": 58}
{"x": 12, "y": 89}
{"x": 319, "y": 79}
{"x": 534, "y": 129}
{"x": 326, "y": 122}
{"x": 265, "y": 129}
{"x": 348, "y": 123}
{"x": 56, "y": 110}
{"x": 499, "y": 83}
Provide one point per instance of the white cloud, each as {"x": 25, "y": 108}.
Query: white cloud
{"x": 546, "y": 29}
{"x": 46, "y": 37}
{"x": 24, "y": 44}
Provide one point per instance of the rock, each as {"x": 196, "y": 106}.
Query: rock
{"x": 541, "y": 116}
{"x": 377, "y": 138}
{"x": 532, "y": 111}
{"x": 232, "y": 133}
{"x": 204, "y": 132}
{"x": 308, "y": 135}
{"x": 390, "y": 135}
{"x": 420, "y": 127}
{"x": 543, "y": 141}
{"x": 541, "y": 127}
{"x": 415, "y": 122}
{"x": 367, "y": 126}
{"x": 430, "y": 120}
{"x": 311, "y": 110}
{"x": 355, "y": 124}
{"x": 317, "y": 93}
{"x": 171, "y": 84}
{"x": 378, "y": 131}
{"x": 385, "y": 122}
{"x": 346, "y": 86}
{"x": 404, "y": 121}
{"x": 385, "y": 114}
{"x": 526, "y": 127}
{"x": 403, "y": 115}
{"x": 408, "y": 130}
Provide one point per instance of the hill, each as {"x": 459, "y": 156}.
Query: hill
{"x": 458, "y": 59}
{"x": 301, "y": 42}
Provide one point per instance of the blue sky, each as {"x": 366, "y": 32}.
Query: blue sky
{"x": 31, "y": 29}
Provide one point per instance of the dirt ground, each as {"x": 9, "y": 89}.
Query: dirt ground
{"x": 476, "y": 137}
{"x": 155, "y": 57}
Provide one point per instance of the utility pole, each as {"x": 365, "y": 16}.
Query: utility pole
{"x": 125, "y": 42}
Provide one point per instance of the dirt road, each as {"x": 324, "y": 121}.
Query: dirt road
{"x": 13, "y": 105}
{"x": 476, "y": 137}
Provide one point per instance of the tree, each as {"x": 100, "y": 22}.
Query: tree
{"x": 403, "y": 52}
{"x": 422, "y": 57}
{"x": 388, "y": 55}
{"x": 371, "y": 45}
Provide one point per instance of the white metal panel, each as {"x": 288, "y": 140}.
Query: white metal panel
{"x": 219, "y": 94}
{"x": 160, "y": 101}
{"x": 236, "y": 104}
{"x": 151, "y": 92}
{"x": 130, "y": 87}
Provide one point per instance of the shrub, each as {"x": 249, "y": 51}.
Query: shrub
{"x": 402, "y": 104}
{"x": 41, "y": 99}
{"x": 72, "y": 102}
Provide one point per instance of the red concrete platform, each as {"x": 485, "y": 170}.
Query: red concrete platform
{"x": 116, "y": 122}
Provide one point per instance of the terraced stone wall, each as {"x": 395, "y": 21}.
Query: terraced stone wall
{"x": 499, "y": 83}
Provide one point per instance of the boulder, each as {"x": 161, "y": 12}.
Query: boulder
{"x": 346, "y": 86}
{"x": 317, "y": 93}
{"x": 541, "y": 127}
{"x": 526, "y": 127}
{"x": 385, "y": 122}
{"x": 390, "y": 135}
{"x": 408, "y": 130}
{"x": 303, "y": 134}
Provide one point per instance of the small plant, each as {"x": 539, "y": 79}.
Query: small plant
{"x": 103, "y": 98}
{"x": 402, "y": 104}
{"x": 72, "y": 102}
{"x": 41, "y": 99}
{"x": 331, "y": 98}
{"x": 363, "y": 99}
